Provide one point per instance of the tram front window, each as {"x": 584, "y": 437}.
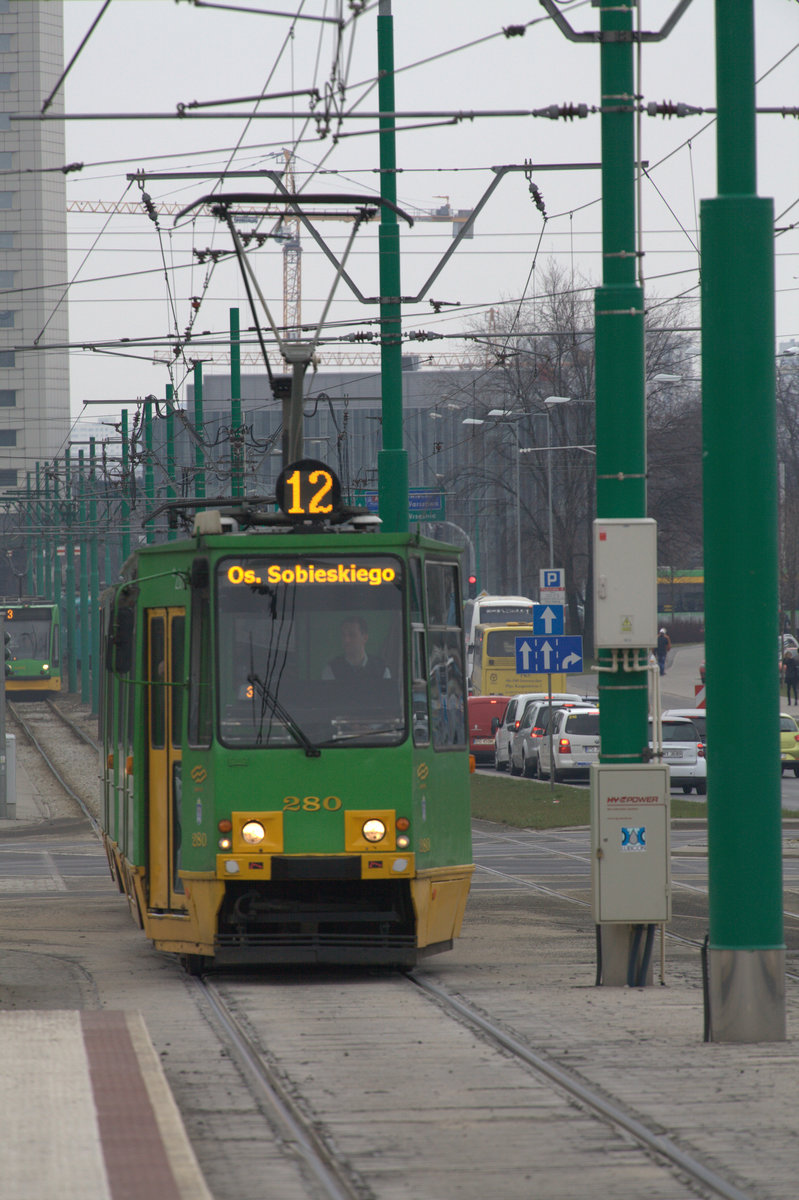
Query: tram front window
{"x": 310, "y": 650}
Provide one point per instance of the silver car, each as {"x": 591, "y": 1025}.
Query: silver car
{"x": 574, "y": 741}
{"x": 527, "y": 738}
{"x": 512, "y": 720}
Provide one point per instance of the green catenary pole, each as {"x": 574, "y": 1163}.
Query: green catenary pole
{"x": 392, "y": 460}
{"x": 51, "y": 595}
{"x": 85, "y": 619}
{"x": 199, "y": 451}
{"x": 172, "y": 533}
{"x": 40, "y": 538}
{"x": 620, "y": 400}
{"x": 69, "y": 586}
{"x": 149, "y": 472}
{"x": 236, "y": 431}
{"x": 94, "y": 570}
{"x": 125, "y": 490}
{"x": 747, "y": 953}
{"x": 32, "y": 539}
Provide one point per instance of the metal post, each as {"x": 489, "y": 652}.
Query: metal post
{"x": 125, "y": 489}
{"x": 392, "y": 460}
{"x": 85, "y": 624}
{"x": 94, "y": 568}
{"x": 172, "y": 533}
{"x": 199, "y": 451}
{"x": 149, "y": 473}
{"x": 747, "y": 950}
{"x": 518, "y": 518}
{"x": 69, "y": 582}
{"x": 549, "y": 488}
{"x": 236, "y": 431}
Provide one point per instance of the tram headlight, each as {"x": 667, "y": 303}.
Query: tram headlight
{"x": 373, "y": 830}
{"x": 403, "y": 842}
{"x": 253, "y": 833}
{"x": 224, "y": 843}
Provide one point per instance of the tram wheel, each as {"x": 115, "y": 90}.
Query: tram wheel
{"x": 195, "y": 964}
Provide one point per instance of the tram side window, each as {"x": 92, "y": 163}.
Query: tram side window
{"x": 200, "y": 658}
{"x": 157, "y": 689}
{"x": 177, "y": 676}
{"x": 415, "y": 590}
{"x": 421, "y": 710}
{"x": 445, "y": 656}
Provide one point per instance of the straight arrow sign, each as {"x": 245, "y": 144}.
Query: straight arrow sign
{"x": 548, "y": 655}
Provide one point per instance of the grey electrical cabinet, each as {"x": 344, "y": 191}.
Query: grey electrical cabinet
{"x": 630, "y": 843}
{"x": 625, "y": 584}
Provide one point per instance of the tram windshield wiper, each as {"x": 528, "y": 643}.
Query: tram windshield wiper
{"x": 280, "y": 711}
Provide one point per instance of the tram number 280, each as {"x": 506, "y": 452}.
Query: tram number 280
{"x": 311, "y": 803}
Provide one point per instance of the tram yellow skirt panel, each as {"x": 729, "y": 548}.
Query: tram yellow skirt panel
{"x": 439, "y": 898}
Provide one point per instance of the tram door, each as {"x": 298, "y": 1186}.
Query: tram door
{"x": 165, "y": 674}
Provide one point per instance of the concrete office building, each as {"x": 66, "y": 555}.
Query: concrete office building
{"x": 34, "y": 385}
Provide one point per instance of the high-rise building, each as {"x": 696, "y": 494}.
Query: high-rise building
{"x": 34, "y": 384}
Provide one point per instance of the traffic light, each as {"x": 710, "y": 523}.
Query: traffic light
{"x": 472, "y": 586}
{"x": 7, "y": 647}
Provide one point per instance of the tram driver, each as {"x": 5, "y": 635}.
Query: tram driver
{"x": 355, "y": 663}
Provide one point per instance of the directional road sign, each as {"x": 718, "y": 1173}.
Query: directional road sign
{"x": 548, "y": 619}
{"x": 545, "y": 655}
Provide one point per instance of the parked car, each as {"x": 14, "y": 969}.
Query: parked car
{"x": 512, "y": 720}
{"x": 485, "y": 716}
{"x": 525, "y": 741}
{"x": 789, "y": 743}
{"x": 697, "y": 715}
{"x": 684, "y": 751}
{"x": 575, "y": 743}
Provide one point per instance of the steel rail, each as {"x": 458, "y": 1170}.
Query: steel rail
{"x": 79, "y": 733}
{"x": 12, "y": 709}
{"x": 337, "y": 1181}
{"x": 656, "y": 1143}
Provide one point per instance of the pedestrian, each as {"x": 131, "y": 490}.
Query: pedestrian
{"x": 663, "y": 647}
{"x": 790, "y": 665}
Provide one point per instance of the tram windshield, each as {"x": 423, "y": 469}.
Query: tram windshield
{"x": 30, "y": 632}
{"x": 310, "y": 650}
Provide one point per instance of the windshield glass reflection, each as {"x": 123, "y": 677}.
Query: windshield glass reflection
{"x": 310, "y": 651}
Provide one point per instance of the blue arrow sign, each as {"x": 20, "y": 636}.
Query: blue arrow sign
{"x": 548, "y": 619}
{"x": 547, "y": 655}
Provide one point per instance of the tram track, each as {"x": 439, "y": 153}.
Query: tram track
{"x": 278, "y": 1086}
{"x": 58, "y": 770}
{"x": 336, "y": 1180}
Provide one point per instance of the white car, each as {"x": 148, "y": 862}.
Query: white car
{"x": 512, "y": 720}
{"x": 697, "y": 715}
{"x": 684, "y": 751}
{"x": 527, "y": 738}
{"x": 574, "y": 741}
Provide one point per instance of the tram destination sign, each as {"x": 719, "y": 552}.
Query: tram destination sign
{"x": 546, "y": 655}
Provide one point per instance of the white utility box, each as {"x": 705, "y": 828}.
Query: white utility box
{"x": 630, "y": 843}
{"x": 625, "y": 584}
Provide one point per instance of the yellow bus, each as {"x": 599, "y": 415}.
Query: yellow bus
{"x": 494, "y": 668}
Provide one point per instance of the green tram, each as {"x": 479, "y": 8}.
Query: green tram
{"x": 286, "y": 772}
{"x": 32, "y": 640}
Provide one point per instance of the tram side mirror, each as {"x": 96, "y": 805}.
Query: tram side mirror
{"x": 200, "y": 574}
{"x": 119, "y": 657}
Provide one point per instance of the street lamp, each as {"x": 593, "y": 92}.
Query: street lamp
{"x": 549, "y": 403}
{"x": 500, "y": 414}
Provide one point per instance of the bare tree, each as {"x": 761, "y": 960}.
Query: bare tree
{"x": 528, "y": 467}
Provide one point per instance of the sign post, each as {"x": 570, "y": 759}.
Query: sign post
{"x": 548, "y": 650}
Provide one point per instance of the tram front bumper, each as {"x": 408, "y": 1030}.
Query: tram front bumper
{"x": 315, "y": 867}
